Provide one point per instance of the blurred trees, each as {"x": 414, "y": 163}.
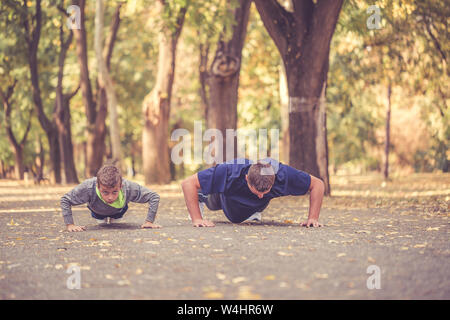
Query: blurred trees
{"x": 401, "y": 54}
{"x": 408, "y": 53}
{"x": 156, "y": 105}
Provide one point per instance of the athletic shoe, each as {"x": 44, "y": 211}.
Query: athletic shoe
{"x": 102, "y": 221}
{"x": 112, "y": 220}
{"x": 254, "y": 217}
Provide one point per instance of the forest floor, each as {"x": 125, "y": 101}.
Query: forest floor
{"x": 395, "y": 235}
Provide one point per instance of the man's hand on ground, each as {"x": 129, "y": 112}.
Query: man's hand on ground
{"x": 150, "y": 225}
{"x": 311, "y": 223}
{"x": 74, "y": 228}
{"x": 202, "y": 223}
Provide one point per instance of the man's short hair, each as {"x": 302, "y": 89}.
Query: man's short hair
{"x": 261, "y": 176}
{"x": 109, "y": 176}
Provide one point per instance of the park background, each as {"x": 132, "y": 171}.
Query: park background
{"x": 386, "y": 77}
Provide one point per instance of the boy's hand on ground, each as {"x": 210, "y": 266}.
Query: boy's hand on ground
{"x": 202, "y": 223}
{"x": 311, "y": 223}
{"x": 74, "y": 228}
{"x": 150, "y": 225}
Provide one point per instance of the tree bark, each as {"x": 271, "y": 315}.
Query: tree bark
{"x": 303, "y": 39}
{"x": 223, "y": 81}
{"x": 156, "y": 105}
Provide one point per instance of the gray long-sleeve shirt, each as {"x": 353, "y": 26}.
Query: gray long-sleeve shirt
{"x": 86, "y": 193}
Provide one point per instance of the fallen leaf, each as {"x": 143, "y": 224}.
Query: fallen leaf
{"x": 239, "y": 279}
{"x": 285, "y": 254}
{"x": 269, "y": 277}
{"x": 245, "y": 293}
{"x": 213, "y": 295}
{"x": 123, "y": 282}
{"x": 220, "y": 276}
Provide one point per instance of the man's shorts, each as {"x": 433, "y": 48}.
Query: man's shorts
{"x": 212, "y": 201}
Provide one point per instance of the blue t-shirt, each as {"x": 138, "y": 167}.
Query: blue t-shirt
{"x": 238, "y": 202}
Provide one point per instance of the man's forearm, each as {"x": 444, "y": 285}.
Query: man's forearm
{"x": 315, "y": 201}
{"x": 191, "y": 198}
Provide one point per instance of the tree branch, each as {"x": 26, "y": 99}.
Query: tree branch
{"x": 275, "y": 18}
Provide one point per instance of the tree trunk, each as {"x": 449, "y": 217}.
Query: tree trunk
{"x": 17, "y": 146}
{"x": 105, "y": 82}
{"x": 96, "y": 127}
{"x": 224, "y": 81}
{"x": 32, "y": 39}
{"x": 387, "y": 143}
{"x": 284, "y": 112}
{"x": 62, "y": 116}
{"x": 322, "y": 142}
{"x": 156, "y": 106}
{"x": 303, "y": 38}
{"x": 94, "y": 157}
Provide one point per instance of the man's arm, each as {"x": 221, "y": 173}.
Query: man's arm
{"x": 190, "y": 188}
{"x": 141, "y": 194}
{"x": 316, "y": 189}
{"x": 76, "y": 196}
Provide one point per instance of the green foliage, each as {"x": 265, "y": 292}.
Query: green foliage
{"x": 403, "y": 53}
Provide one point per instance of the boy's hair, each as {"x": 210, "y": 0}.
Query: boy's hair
{"x": 109, "y": 176}
{"x": 261, "y": 176}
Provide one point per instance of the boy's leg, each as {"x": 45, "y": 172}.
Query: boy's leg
{"x": 100, "y": 219}
{"x": 119, "y": 216}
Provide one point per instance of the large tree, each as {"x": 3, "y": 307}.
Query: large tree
{"x": 302, "y": 35}
{"x": 32, "y": 25}
{"x": 156, "y": 105}
{"x": 223, "y": 79}
{"x": 62, "y": 106}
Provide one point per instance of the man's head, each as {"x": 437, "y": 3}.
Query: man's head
{"x": 260, "y": 178}
{"x": 109, "y": 182}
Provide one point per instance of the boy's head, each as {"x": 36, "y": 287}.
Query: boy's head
{"x": 109, "y": 182}
{"x": 260, "y": 178}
